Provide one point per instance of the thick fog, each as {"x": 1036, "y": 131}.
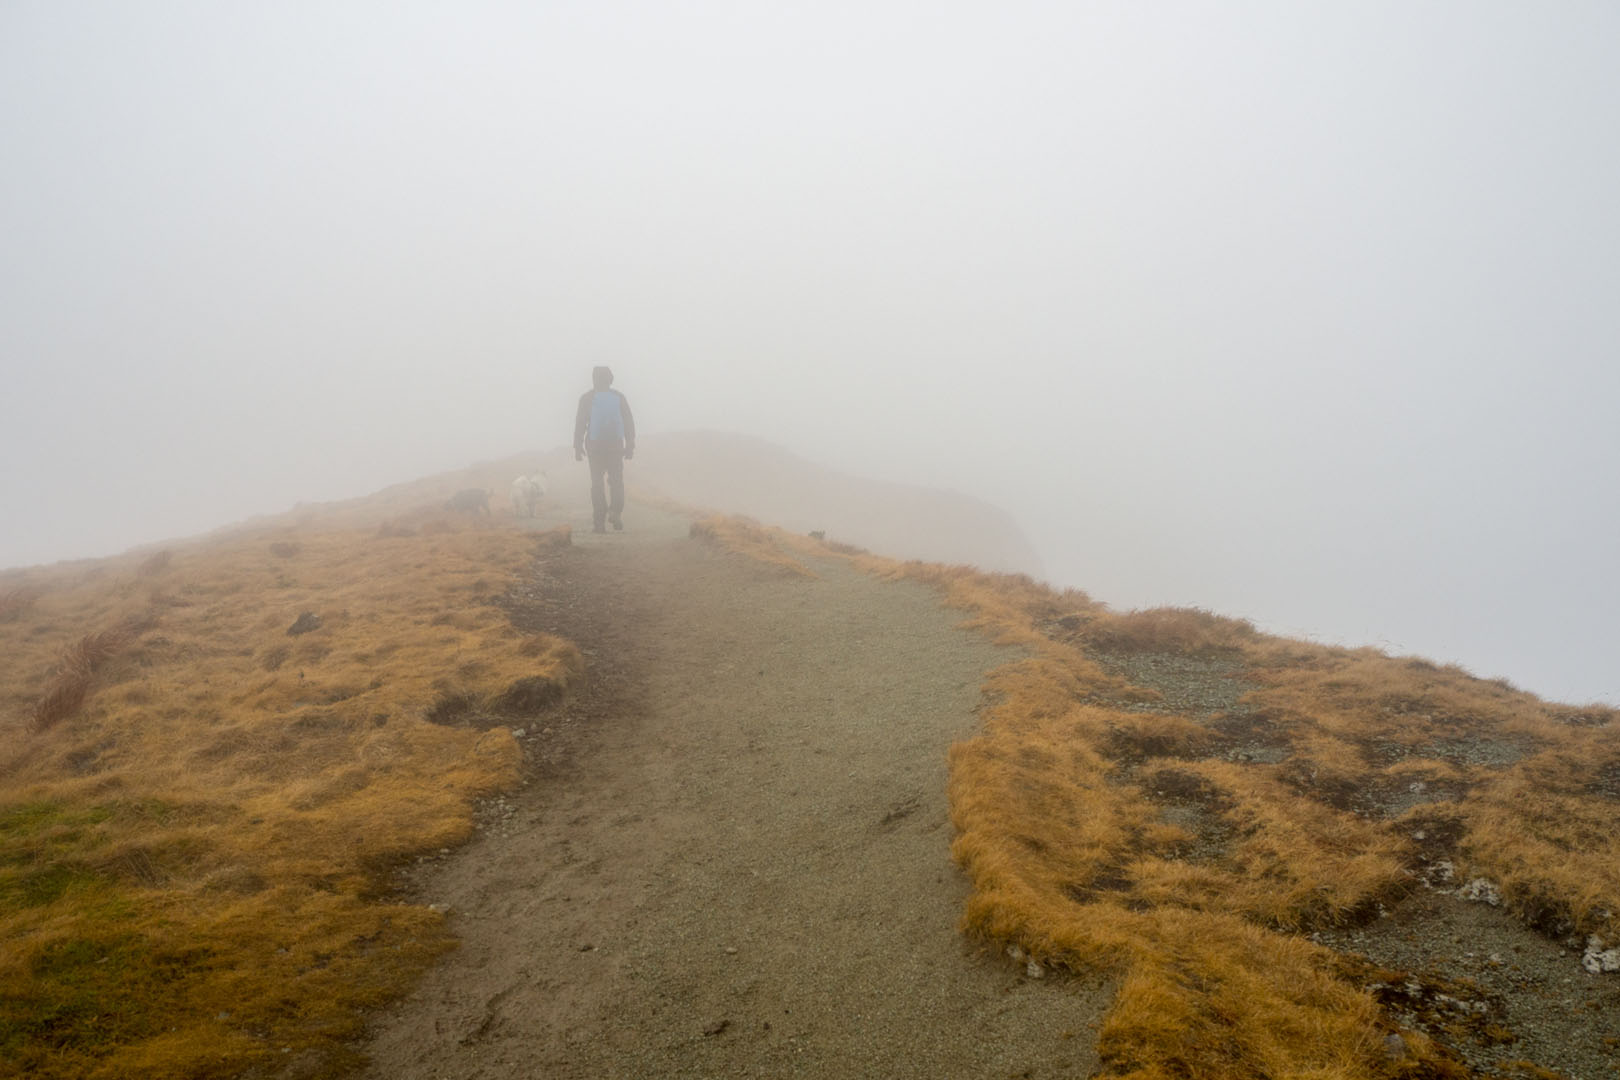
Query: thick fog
{"x": 1308, "y": 313}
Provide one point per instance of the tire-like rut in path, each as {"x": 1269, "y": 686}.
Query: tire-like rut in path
{"x": 732, "y": 859}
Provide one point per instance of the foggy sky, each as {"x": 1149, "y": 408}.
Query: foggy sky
{"x": 1305, "y": 313}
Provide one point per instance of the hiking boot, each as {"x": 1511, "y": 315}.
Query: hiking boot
{"x": 618, "y": 525}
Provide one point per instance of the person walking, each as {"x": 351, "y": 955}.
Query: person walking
{"x": 605, "y": 433}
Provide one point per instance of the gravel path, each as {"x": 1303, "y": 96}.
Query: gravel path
{"x": 732, "y": 858}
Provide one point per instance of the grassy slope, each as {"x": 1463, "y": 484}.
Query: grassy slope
{"x": 1104, "y": 829}
{"x": 197, "y": 806}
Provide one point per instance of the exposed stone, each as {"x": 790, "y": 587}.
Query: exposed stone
{"x": 1598, "y": 959}
{"x": 1481, "y": 891}
{"x": 305, "y": 622}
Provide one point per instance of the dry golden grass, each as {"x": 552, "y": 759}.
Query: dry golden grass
{"x": 750, "y": 539}
{"x": 1189, "y": 631}
{"x": 1540, "y": 783}
{"x": 79, "y": 662}
{"x": 200, "y": 807}
{"x": 1105, "y": 830}
{"x": 15, "y": 600}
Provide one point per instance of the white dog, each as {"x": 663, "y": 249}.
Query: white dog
{"x": 527, "y": 491}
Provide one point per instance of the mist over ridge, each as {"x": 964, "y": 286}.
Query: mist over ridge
{"x": 746, "y": 475}
{"x": 1304, "y": 316}
{"x": 720, "y": 472}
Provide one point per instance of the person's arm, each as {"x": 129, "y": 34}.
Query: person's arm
{"x": 629, "y": 427}
{"x": 582, "y": 420}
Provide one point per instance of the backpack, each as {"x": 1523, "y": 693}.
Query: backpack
{"x": 607, "y": 420}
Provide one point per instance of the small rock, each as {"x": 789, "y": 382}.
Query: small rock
{"x": 518, "y": 733}
{"x": 1016, "y": 954}
{"x": 1034, "y": 970}
{"x": 1394, "y": 1047}
{"x": 305, "y": 622}
{"x": 1599, "y": 960}
{"x": 731, "y": 950}
{"x": 715, "y": 1027}
{"x": 1481, "y": 891}
{"x": 442, "y": 909}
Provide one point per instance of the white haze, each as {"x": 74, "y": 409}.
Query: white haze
{"x": 1307, "y": 313}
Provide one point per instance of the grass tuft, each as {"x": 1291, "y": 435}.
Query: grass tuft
{"x": 742, "y": 536}
{"x": 1187, "y": 631}
{"x": 15, "y": 602}
{"x": 70, "y": 685}
{"x": 155, "y": 564}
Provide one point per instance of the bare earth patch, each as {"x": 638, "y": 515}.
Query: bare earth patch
{"x": 1496, "y": 991}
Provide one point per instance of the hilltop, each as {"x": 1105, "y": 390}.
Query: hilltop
{"x": 738, "y": 474}
{"x": 689, "y": 797}
{"x": 735, "y": 474}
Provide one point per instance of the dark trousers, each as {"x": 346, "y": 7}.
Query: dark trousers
{"x": 606, "y": 465}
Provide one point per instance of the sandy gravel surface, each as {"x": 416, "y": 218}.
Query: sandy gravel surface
{"x": 732, "y": 858}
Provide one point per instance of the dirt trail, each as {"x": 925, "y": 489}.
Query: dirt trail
{"x": 732, "y": 859}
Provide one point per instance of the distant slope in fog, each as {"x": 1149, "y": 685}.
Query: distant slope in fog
{"x": 739, "y": 474}
{"x": 745, "y": 475}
